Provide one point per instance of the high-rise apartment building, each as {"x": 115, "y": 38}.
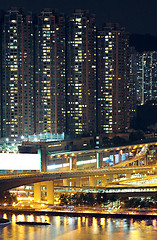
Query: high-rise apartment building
{"x": 113, "y": 79}
{"x": 17, "y": 74}
{"x": 50, "y": 96}
{"x": 146, "y": 77}
{"x": 59, "y": 75}
{"x": 133, "y": 83}
{"x": 81, "y": 73}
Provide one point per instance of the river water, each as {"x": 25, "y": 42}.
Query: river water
{"x": 78, "y": 228}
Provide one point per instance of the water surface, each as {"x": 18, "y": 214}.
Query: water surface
{"x": 78, "y": 228}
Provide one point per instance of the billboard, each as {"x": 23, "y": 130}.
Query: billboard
{"x": 20, "y": 161}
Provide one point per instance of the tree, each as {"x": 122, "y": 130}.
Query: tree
{"x": 101, "y": 198}
{"x": 113, "y": 198}
{"x": 106, "y": 142}
{"x": 74, "y": 199}
{"x": 133, "y": 203}
{"x": 118, "y": 140}
{"x": 135, "y": 136}
{"x": 154, "y": 198}
{"x": 63, "y": 199}
{"x": 7, "y": 197}
{"x": 89, "y": 199}
{"x": 81, "y": 199}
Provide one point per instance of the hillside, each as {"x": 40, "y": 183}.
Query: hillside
{"x": 143, "y": 43}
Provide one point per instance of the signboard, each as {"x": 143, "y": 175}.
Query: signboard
{"x": 20, "y": 161}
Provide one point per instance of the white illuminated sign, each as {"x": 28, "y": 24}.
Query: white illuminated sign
{"x": 52, "y": 167}
{"x": 20, "y": 161}
{"x": 86, "y": 162}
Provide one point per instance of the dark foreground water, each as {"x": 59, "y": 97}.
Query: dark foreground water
{"x": 78, "y": 228}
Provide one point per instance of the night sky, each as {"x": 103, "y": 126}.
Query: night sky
{"x": 137, "y": 16}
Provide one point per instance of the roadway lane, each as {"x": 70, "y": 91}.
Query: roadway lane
{"x": 15, "y": 180}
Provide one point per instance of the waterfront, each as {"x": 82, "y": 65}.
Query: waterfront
{"x": 78, "y": 228}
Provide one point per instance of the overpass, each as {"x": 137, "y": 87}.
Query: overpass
{"x": 108, "y": 176}
{"x": 139, "y": 156}
{"x": 120, "y": 191}
{"x": 10, "y": 181}
{"x": 81, "y": 171}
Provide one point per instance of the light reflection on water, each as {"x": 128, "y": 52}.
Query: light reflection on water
{"x": 78, "y": 228}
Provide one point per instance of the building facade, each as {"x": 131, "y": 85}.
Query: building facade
{"x": 146, "y": 77}
{"x": 81, "y": 74}
{"x": 17, "y": 74}
{"x": 61, "y": 75}
{"x": 113, "y": 79}
{"x": 50, "y": 96}
{"x": 133, "y": 83}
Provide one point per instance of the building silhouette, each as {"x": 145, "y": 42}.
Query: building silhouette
{"x": 81, "y": 73}
{"x": 146, "y": 77}
{"x": 50, "y": 79}
{"x": 59, "y": 74}
{"x": 113, "y": 79}
{"x": 133, "y": 83}
{"x": 17, "y": 74}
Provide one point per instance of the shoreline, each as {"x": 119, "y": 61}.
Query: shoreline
{"x": 80, "y": 214}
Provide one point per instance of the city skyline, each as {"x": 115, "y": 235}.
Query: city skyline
{"x": 49, "y": 75}
{"x": 136, "y": 16}
{"x": 69, "y": 89}
{"x": 59, "y": 74}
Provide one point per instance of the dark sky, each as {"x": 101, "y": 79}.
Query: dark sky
{"x": 137, "y": 16}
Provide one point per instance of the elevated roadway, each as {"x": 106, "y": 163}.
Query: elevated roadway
{"x": 141, "y": 155}
{"x": 15, "y": 180}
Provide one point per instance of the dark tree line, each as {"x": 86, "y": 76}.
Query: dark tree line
{"x": 141, "y": 203}
{"x": 86, "y": 199}
{"x": 90, "y": 199}
{"x": 7, "y": 197}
